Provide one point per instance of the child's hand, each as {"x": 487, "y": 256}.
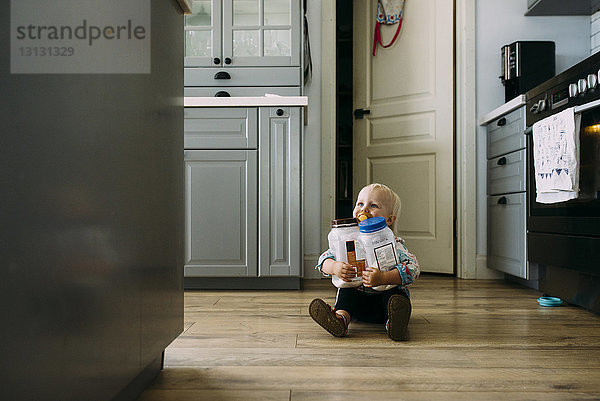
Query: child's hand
{"x": 344, "y": 271}
{"x": 372, "y": 277}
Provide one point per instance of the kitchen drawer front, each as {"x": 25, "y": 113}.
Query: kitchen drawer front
{"x": 506, "y": 174}
{"x": 226, "y": 77}
{"x": 237, "y": 91}
{"x": 220, "y": 128}
{"x": 506, "y": 239}
{"x": 505, "y": 134}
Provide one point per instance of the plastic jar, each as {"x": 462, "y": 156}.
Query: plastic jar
{"x": 379, "y": 244}
{"x": 343, "y": 241}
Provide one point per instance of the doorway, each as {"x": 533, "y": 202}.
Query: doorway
{"x": 465, "y": 124}
{"x": 344, "y": 192}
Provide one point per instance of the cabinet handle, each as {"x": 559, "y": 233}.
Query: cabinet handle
{"x": 502, "y": 161}
{"x": 222, "y": 75}
{"x": 217, "y": 60}
{"x": 222, "y": 94}
{"x": 501, "y": 122}
{"x": 502, "y": 201}
{"x": 227, "y": 60}
{"x": 279, "y": 112}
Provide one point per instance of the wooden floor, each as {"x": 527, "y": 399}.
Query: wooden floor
{"x": 469, "y": 340}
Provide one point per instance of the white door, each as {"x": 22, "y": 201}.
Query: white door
{"x": 406, "y": 142}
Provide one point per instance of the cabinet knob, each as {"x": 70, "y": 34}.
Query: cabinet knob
{"x": 227, "y": 60}
{"x": 222, "y": 75}
{"x": 216, "y": 60}
{"x": 502, "y": 200}
{"x": 279, "y": 112}
{"x": 222, "y": 94}
{"x": 501, "y": 122}
{"x": 502, "y": 161}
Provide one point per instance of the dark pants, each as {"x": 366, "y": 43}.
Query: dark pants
{"x": 367, "y": 307}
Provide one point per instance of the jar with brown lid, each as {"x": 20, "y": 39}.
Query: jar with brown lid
{"x": 343, "y": 242}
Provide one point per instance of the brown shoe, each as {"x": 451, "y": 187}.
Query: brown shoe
{"x": 399, "y": 309}
{"x": 322, "y": 313}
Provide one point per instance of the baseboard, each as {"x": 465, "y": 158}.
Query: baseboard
{"x": 241, "y": 283}
{"x": 483, "y": 273}
{"x": 310, "y": 261}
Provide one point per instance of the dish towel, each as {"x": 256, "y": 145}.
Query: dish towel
{"x": 556, "y": 157}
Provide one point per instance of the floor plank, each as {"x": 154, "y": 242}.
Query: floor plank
{"x": 468, "y": 339}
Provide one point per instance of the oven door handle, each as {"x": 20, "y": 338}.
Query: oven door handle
{"x": 587, "y": 106}
{"x": 576, "y": 110}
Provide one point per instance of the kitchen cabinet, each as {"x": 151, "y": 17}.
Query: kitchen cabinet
{"x": 280, "y": 196}
{"x": 506, "y": 190}
{"x": 243, "y": 193}
{"x": 243, "y": 33}
{"x": 243, "y": 145}
{"x": 220, "y": 212}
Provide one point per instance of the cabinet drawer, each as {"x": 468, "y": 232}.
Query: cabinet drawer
{"x": 506, "y": 239}
{"x": 237, "y": 91}
{"x": 505, "y": 134}
{"x": 220, "y": 128}
{"x": 226, "y": 77}
{"x": 506, "y": 174}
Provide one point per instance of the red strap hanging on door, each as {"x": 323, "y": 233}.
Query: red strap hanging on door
{"x": 377, "y": 36}
{"x": 389, "y": 12}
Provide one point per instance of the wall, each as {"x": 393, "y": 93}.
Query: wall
{"x": 595, "y": 32}
{"x": 312, "y": 145}
{"x": 503, "y": 22}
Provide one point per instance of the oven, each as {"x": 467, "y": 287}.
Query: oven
{"x": 563, "y": 238}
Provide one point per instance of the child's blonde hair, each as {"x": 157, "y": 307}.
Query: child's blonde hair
{"x": 394, "y": 199}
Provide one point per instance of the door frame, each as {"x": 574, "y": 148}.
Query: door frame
{"x": 465, "y": 120}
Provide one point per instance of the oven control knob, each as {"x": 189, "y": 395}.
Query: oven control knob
{"x": 582, "y": 86}
{"x": 541, "y": 105}
{"x": 573, "y": 90}
{"x": 592, "y": 81}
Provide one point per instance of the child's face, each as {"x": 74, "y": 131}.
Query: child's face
{"x": 375, "y": 202}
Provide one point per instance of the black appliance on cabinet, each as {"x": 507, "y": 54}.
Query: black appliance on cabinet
{"x": 564, "y": 238}
{"x": 526, "y": 64}
{"x": 92, "y": 209}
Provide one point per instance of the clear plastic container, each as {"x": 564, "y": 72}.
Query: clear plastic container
{"x": 343, "y": 241}
{"x": 379, "y": 244}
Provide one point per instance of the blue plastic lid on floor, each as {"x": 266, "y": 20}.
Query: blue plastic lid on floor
{"x": 549, "y": 301}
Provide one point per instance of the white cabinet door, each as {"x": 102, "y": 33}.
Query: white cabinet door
{"x": 220, "y": 213}
{"x": 261, "y": 32}
{"x": 280, "y": 195}
{"x": 243, "y": 33}
{"x": 203, "y": 34}
{"x": 407, "y": 140}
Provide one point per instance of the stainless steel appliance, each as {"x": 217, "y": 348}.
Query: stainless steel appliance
{"x": 564, "y": 238}
{"x": 91, "y": 216}
{"x": 526, "y": 64}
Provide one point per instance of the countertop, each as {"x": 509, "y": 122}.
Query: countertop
{"x": 238, "y": 101}
{"x": 505, "y": 108}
